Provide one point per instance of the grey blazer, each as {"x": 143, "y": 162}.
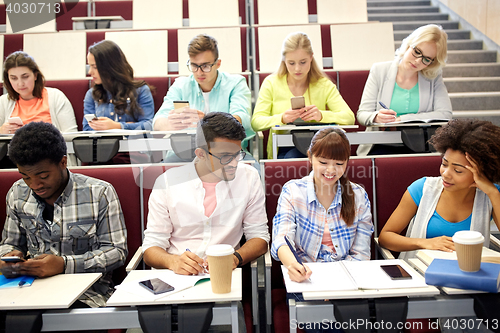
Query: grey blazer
{"x": 434, "y": 101}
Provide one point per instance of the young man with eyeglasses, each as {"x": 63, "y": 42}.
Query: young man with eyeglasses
{"x": 409, "y": 88}
{"x": 213, "y": 200}
{"x": 206, "y": 89}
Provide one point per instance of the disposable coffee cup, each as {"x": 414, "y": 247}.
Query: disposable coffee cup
{"x": 220, "y": 264}
{"x": 469, "y": 246}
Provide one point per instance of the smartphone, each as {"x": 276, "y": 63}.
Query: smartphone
{"x": 156, "y": 286}
{"x": 180, "y": 104}
{"x": 15, "y": 120}
{"x": 298, "y": 102}
{"x": 12, "y": 259}
{"x": 396, "y": 272}
{"x": 90, "y": 117}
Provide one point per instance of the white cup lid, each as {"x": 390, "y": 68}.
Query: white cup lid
{"x": 219, "y": 250}
{"x": 468, "y": 237}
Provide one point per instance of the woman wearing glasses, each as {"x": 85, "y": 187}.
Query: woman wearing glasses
{"x": 408, "y": 88}
{"x": 117, "y": 100}
{"x": 298, "y": 75}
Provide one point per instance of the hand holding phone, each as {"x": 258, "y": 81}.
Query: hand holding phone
{"x": 156, "y": 286}
{"x": 180, "y": 105}
{"x": 90, "y": 117}
{"x": 15, "y": 120}
{"x": 396, "y": 272}
{"x": 298, "y": 102}
{"x": 12, "y": 259}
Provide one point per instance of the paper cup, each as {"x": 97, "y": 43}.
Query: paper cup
{"x": 469, "y": 246}
{"x": 220, "y": 264}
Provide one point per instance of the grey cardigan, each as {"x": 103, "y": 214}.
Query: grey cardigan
{"x": 434, "y": 101}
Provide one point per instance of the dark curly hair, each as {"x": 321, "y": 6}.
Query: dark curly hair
{"x": 36, "y": 142}
{"x": 218, "y": 125}
{"x": 479, "y": 138}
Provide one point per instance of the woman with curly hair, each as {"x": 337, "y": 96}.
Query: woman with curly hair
{"x": 117, "y": 100}
{"x": 410, "y": 87}
{"x": 463, "y": 198}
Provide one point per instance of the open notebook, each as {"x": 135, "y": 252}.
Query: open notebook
{"x": 352, "y": 275}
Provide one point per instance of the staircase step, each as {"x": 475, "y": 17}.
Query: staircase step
{"x": 472, "y": 70}
{"x": 452, "y": 34}
{"x": 412, "y": 25}
{"x": 474, "y": 101}
{"x": 406, "y": 9}
{"x": 471, "y": 56}
{"x": 382, "y": 3}
{"x": 408, "y": 17}
{"x": 458, "y": 44}
{"x": 472, "y": 84}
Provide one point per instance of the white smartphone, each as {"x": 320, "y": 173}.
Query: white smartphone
{"x": 90, "y": 117}
{"x": 12, "y": 259}
{"x": 15, "y": 120}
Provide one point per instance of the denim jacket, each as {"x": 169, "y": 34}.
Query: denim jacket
{"x": 143, "y": 121}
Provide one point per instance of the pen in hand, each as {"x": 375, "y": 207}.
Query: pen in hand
{"x": 383, "y": 105}
{"x": 204, "y": 268}
{"x": 290, "y": 246}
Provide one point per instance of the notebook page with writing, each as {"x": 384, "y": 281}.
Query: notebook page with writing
{"x": 369, "y": 275}
{"x": 326, "y": 276}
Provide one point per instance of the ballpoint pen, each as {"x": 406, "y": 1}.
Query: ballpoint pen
{"x": 383, "y": 105}
{"x": 204, "y": 268}
{"x": 295, "y": 254}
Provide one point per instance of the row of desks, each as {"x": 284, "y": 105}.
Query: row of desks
{"x": 149, "y": 141}
{"x": 57, "y": 293}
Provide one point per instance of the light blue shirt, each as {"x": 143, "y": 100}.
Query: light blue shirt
{"x": 301, "y": 217}
{"x": 230, "y": 94}
{"x": 128, "y": 122}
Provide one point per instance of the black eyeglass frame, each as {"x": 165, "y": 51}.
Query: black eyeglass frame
{"x": 189, "y": 64}
{"x": 416, "y": 49}
{"x": 241, "y": 153}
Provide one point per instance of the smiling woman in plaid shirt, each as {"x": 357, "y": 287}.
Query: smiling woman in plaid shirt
{"x": 60, "y": 222}
{"x": 324, "y": 215}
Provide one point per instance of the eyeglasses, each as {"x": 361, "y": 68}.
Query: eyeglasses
{"x": 417, "y": 53}
{"x": 204, "y": 67}
{"x": 226, "y": 159}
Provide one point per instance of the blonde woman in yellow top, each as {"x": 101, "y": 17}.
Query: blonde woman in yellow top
{"x": 298, "y": 75}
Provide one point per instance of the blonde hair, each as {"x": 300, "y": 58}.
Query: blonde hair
{"x": 299, "y": 41}
{"x": 428, "y": 33}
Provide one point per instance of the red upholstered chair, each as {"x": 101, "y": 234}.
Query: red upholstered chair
{"x": 75, "y": 90}
{"x": 394, "y": 175}
{"x": 276, "y": 173}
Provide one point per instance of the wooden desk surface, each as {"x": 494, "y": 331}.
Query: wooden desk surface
{"x": 197, "y": 294}
{"x": 56, "y": 292}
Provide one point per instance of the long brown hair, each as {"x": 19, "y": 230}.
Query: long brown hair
{"x": 22, "y": 59}
{"x": 117, "y": 78}
{"x": 332, "y": 143}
